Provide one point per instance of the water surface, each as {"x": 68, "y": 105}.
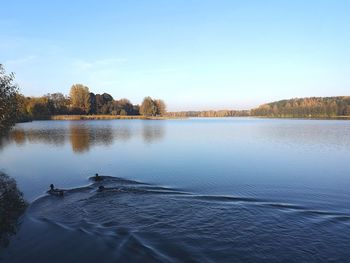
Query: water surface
{"x": 204, "y": 190}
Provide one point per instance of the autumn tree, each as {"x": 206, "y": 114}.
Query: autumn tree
{"x": 58, "y": 103}
{"x": 8, "y": 100}
{"x": 80, "y": 97}
{"x": 347, "y": 111}
{"x": 161, "y": 107}
{"x": 23, "y": 114}
{"x": 39, "y": 108}
{"x": 148, "y": 107}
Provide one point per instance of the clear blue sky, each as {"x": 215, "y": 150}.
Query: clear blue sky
{"x": 194, "y": 54}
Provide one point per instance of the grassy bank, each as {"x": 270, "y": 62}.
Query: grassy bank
{"x": 107, "y": 117}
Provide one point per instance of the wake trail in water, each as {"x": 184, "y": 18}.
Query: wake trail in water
{"x": 78, "y": 202}
{"x": 135, "y": 221}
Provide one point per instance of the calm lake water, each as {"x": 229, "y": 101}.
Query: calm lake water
{"x": 198, "y": 190}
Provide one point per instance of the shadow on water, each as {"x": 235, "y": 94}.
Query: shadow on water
{"x": 82, "y": 136}
{"x": 12, "y": 206}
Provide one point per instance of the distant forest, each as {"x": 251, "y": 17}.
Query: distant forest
{"x": 210, "y": 113}
{"x": 315, "y": 107}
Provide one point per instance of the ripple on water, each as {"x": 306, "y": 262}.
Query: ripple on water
{"x": 133, "y": 221}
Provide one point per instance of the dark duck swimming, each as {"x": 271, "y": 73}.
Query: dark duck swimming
{"x": 55, "y": 191}
{"x": 97, "y": 178}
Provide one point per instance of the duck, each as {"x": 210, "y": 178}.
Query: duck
{"x": 97, "y": 178}
{"x": 54, "y": 191}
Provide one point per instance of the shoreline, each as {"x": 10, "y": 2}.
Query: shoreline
{"x": 107, "y": 117}
{"x": 140, "y": 117}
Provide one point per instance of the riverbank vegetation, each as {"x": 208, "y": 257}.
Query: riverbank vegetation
{"x": 12, "y": 206}
{"x": 80, "y": 104}
{"x": 8, "y": 101}
{"x": 83, "y": 102}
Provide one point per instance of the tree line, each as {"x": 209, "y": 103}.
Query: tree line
{"x": 15, "y": 107}
{"x": 314, "y": 107}
{"x": 81, "y": 101}
{"x": 210, "y": 113}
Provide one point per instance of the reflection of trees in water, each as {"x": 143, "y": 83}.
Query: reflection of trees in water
{"x": 304, "y": 133}
{"x": 18, "y": 136}
{"x": 4, "y": 140}
{"x": 152, "y": 133}
{"x": 12, "y": 206}
{"x": 83, "y": 136}
{"x": 101, "y": 135}
{"x": 122, "y": 133}
{"x": 52, "y": 136}
{"x": 79, "y": 138}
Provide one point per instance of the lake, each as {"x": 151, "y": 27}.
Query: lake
{"x": 192, "y": 190}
